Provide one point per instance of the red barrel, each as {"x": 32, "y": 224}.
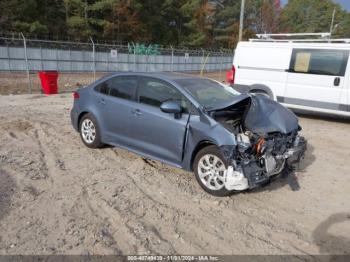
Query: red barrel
{"x": 49, "y": 82}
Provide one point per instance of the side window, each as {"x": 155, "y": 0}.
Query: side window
{"x": 119, "y": 86}
{"x": 319, "y": 62}
{"x": 103, "y": 88}
{"x": 123, "y": 86}
{"x": 154, "y": 92}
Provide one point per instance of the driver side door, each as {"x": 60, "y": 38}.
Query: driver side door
{"x": 155, "y": 133}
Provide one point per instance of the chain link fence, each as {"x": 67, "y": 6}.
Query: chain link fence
{"x": 81, "y": 63}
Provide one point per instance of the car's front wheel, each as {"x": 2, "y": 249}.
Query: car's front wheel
{"x": 209, "y": 168}
{"x": 90, "y": 132}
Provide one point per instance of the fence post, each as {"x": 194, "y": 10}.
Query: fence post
{"x": 57, "y": 64}
{"x": 41, "y": 58}
{"x": 108, "y": 56}
{"x": 172, "y": 58}
{"x": 27, "y": 66}
{"x": 203, "y": 57}
{"x": 70, "y": 60}
{"x": 204, "y": 64}
{"x": 133, "y": 45}
{"x": 8, "y": 56}
{"x": 222, "y": 57}
{"x": 93, "y": 57}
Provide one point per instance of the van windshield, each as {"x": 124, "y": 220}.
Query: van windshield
{"x": 208, "y": 93}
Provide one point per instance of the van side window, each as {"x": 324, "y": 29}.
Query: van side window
{"x": 319, "y": 62}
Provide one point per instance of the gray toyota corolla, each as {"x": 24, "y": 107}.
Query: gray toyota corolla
{"x": 230, "y": 141}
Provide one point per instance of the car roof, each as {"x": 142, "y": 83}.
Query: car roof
{"x": 170, "y": 76}
{"x": 166, "y": 76}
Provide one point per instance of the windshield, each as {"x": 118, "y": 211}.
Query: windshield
{"x": 208, "y": 93}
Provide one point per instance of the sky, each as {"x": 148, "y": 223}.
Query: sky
{"x": 344, "y": 3}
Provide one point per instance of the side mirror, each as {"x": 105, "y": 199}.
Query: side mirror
{"x": 171, "y": 107}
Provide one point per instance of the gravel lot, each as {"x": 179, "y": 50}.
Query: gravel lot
{"x": 59, "y": 197}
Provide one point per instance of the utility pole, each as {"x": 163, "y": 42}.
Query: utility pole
{"x": 241, "y": 21}
{"x": 332, "y": 23}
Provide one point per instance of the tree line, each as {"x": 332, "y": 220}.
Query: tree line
{"x": 195, "y": 23}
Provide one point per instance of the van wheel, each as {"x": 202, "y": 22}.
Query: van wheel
{"x": 90, "y": 132}
{"x": 209, "y": 168}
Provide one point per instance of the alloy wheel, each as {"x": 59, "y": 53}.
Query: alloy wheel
{"x": 211, "y": 172}
{"x": 88, "y": 131}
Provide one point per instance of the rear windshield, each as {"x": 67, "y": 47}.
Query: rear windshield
{"x": 208, "y": 93}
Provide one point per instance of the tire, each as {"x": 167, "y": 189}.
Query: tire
{"x": 258, "y": 92}
{"x": 90, "y": 131}
{"x": 215, "y": 185}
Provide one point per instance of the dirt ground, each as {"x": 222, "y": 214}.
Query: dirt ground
{"x": 59, "y": 197}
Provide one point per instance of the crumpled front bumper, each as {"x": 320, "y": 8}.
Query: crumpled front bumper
{"x": 256, "y": 175}
{"x": 296, "y": 153}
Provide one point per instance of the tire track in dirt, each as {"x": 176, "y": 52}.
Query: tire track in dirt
{"x": 44, "y": 134}
{"x": 110, "y": 201}
{"x": 153, "y": 199}
{"x": 148, "y": 199}
{"x": 126, "y": 227}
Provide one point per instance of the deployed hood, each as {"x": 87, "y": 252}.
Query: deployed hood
{"x": 258, "y": 114}
{"x": 234, "y": 101}
{"x": 267, "y": 116}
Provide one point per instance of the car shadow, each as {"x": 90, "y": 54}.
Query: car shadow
{"x": 7, "y": 189}
{"x": 289, "y": 177}
{"x": 329, "y": 243}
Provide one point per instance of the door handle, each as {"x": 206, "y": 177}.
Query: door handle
{"x": 102, "y": 101}
{"x": 136, "y": 112}
{"x": 337, "y": 81}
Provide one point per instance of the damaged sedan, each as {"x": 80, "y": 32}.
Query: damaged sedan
{"x": 231, "y": 141}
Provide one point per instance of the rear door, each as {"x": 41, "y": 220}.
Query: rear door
{"x": 154, "y": 132}
{"x": 262, "y": 66}
{"x": 115, "y": 107}
{"x": 316, "y": 79}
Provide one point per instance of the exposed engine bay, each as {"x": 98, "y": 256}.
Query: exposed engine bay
{"x": 267, "y": 141}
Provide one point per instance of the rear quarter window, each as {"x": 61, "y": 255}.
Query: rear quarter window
{"x": 319, "y": 61}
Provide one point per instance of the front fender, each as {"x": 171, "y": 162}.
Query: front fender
{"x": 209, "y": 131}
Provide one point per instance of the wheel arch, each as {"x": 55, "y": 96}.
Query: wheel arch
{"x": 200, "y": 145}
{"x": 80, "y": 116}
{"x": 256, "y": 88}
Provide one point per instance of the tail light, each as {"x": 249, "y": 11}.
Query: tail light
{"x": 76, "y": 95}
{"x": 230, "y": 75}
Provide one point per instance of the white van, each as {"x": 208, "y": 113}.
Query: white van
{"x": 311, "y": 75}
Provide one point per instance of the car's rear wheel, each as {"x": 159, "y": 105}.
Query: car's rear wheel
{"x": 209, "y": 168}
{"x": 90, "y": 132}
